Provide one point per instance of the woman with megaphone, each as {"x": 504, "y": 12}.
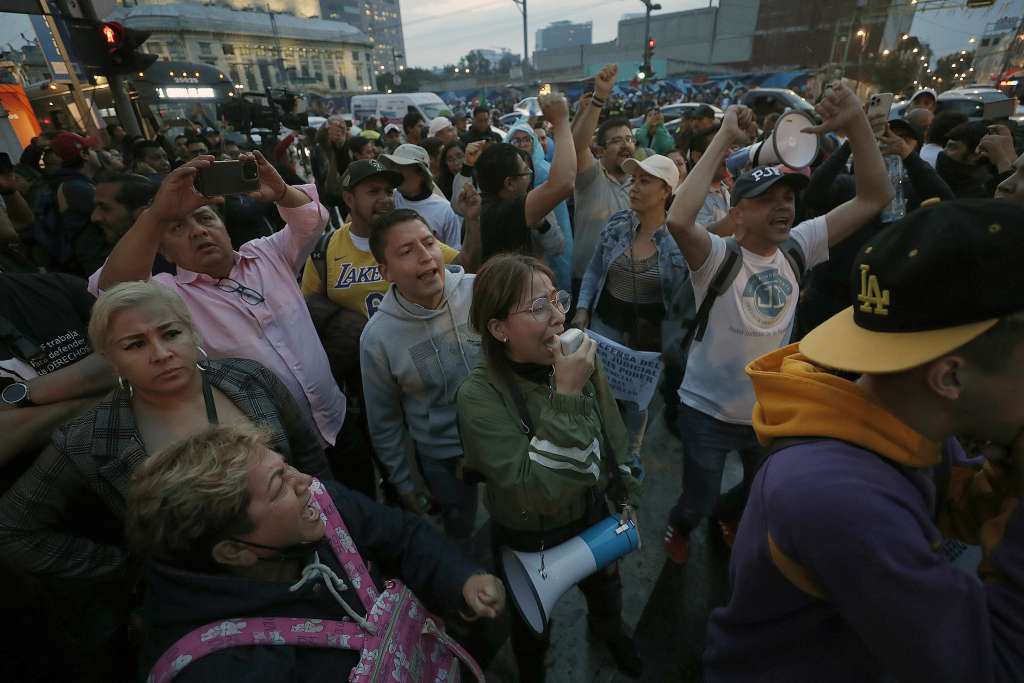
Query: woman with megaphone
{"x": 538, "y": 421}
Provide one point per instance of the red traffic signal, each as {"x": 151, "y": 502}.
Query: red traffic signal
{"x": 651, "y": 43}
{"x": 113, "y": 34}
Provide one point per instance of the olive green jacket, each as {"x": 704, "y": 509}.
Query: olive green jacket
{"x": 543, "y": 482}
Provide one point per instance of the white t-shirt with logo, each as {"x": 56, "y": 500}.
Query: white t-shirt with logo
{"x": 753, "y": 317}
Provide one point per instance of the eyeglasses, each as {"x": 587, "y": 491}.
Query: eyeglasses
{"x": 520, "y": 141}
{"x": 248, "y": 294}
{"x": 626, "y": 140}
{"x": 542, "y": 308}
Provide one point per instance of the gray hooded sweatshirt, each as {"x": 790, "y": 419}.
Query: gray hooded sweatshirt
{"x": 413, "y": 361}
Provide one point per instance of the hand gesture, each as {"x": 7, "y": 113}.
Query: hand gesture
{"x": 654, "y": 119}
{"x": 413, "y": 502}
{"x": 485, "y": 596}
{"x": 468, "y": 203}
{"x": 605, "y": 80}
{"x": 581, "y": 320}
{"x": 554, "y": 107}
{"x": 839, "y": 108}
{"x": 473, "y": 152}
{"x": 573, "y": 371}
{"x": 737, "y": 121}
{"x": 997, "y": 147}
{"x": 272, "y": 185}
{"x": 890, "y": 143}
{"x": 177, "y": 196}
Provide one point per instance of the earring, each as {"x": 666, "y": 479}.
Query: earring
{"x": 505, "y": 340}
{"x": 204, "y": 363}
{"x": 123, "y": 385}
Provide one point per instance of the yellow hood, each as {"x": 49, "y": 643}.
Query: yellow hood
{"x": 796, "y": 398}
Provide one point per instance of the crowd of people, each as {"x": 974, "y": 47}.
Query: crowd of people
{"x": 246, "y": 436}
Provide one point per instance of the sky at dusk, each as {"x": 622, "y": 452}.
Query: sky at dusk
{"x": 438, "y": 33}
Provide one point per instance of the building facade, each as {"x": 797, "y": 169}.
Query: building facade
{"x": 258, "y": 49}
{"x": 560, "y": 34}
{"x": 380, "y": 21}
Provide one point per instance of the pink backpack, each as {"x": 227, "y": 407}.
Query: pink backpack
{"x": 399, "y": 640}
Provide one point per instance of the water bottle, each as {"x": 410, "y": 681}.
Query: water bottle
{"x": 897, "y": 208}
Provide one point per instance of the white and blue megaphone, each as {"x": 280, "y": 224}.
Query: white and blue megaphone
{"x": 537, "y": 580}
{"x": 787, "y": 145}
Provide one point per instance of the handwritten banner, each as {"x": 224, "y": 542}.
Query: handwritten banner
{"x": 632, "y": 375}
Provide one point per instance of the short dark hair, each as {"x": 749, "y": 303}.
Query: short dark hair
{"x": 938, "y": 132}
{"x": 614, "y": 122}
{"x": 481, "y": 110}
{"x": 382, "y": 225}
{"x": 357, "y": 143}
{"x": 140, "y": 147}
{"x": 496, "y": 163}
{"x": 432, "y": 145}
{"x": 134, "y": 191}
{"x": 196, "y": 141}
{"x": 410, "y": 120}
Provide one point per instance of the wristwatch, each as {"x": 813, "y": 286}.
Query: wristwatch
{"x": 16, "y": 394}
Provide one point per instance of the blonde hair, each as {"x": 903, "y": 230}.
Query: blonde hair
{"x": 194, "y": 494}
{"x": 129, "y": 295}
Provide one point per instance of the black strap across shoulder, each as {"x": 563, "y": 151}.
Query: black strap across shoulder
{"x": 211, "y": 406}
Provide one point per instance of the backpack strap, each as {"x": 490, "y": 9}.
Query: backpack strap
{"x": 255, "y": 631}
{"x": 794, "y": 253}
{"x": 319, "y": 256}
{"x": 344, "y": 547}
{"x": 721, "y": 281}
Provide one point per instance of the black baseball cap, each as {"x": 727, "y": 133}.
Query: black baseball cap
{"x": 360, "y": 170}
{"x": 900, "y": 126}
{"x": 925, "y": 286}
{"x": 754, "y": 182}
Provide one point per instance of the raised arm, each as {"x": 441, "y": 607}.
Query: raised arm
{"x": 841, "y": 110}
{"x": 585, "y": 123}
{"x": 133, "y": 255}
{"x": 543, "y": 199}
{"x": 469, "y": 205}
{"x": 692, "y": 238}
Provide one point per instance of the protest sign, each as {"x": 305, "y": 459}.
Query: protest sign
{"x": 632, "y": 375}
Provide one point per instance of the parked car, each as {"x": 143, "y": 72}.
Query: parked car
{"x": 394, "y": 107}
{"x": 671, "y": 112}
{"x": 765, "y": 101}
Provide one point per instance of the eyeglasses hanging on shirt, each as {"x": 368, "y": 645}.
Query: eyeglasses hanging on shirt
{"x": 248, "y": 294}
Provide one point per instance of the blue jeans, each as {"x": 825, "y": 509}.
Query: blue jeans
{"x": 456, "y": 498}
{"x": 706, "y": 442}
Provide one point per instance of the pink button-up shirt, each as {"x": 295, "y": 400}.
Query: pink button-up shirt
{"x": 278, "y": 332}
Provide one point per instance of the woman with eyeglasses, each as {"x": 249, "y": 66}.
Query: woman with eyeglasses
{"x": 541, "y": 427}
{"x": 633, "y": 275}
{"x": 167, "y": 390}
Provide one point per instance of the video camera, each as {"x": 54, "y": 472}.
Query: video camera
{"x": 269, "y": 110}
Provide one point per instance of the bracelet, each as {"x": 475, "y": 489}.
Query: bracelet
{"x": 597, "y": 101}
{"x": 278, "y": 200}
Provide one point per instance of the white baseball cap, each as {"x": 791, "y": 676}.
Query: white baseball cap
{"x": 439, "y": 124}
{"x": 390, "y": 127}
{"x": 410, "y": 155}
{"x": 656, "y": 165}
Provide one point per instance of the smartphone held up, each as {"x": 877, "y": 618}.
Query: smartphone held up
{"x": 227, "y": 178}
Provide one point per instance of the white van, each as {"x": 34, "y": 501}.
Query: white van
{"x": 396, "y": 106}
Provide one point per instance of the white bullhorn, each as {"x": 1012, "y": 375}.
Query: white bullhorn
{"x": 537, "y": 580}
{"x": 787, "y": 145}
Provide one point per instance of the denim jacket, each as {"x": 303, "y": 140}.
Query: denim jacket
{"x": 615, "y": 239}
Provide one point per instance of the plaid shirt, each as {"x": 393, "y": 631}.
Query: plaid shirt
{"x": 93, "y": 457}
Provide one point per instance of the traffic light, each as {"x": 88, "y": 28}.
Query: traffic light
{"x": 123, "y": 45}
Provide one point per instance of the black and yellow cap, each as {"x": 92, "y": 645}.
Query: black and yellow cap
{"x": 925, "y": 286}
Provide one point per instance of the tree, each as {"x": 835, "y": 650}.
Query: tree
{"x": 895, "y": 72}
{"x": 954, "y": 69}
{"x": 475, "y": 62}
